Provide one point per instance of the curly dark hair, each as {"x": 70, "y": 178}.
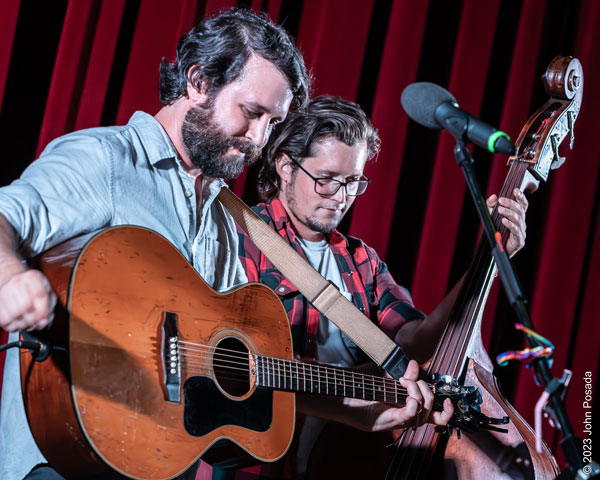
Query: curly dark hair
{"x": 219, "y": 47}
{"x": 323, "y": 117}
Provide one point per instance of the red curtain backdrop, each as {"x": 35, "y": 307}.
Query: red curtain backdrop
{"x": 67, "y": 65}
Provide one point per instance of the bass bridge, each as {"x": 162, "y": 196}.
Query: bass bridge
{"x": 467, "y": 412}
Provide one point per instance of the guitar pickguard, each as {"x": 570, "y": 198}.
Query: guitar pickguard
{"x": 206, "y": 408}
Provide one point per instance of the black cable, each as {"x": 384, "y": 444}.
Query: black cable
{"x": 37, "y": 346}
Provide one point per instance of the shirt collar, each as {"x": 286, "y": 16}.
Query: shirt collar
{"x": 159, "y": 146}
{"x": 156, "y": 142}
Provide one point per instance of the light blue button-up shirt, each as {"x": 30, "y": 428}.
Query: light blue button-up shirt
{"x": 97, "y": 178}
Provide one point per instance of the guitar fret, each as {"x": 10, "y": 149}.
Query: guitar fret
{"x": 306, "y": 387}
{"x": 278, "y": 374}
{"x": 334, "y": 383}
{"x": 373, "y": 378}
{"x": 257, "y": 376}
{"x": 319, "y": 379}
{"x": 266, "y": 371}
{"x": 257, "y": 361}
{"x": 304, "y": 375}
{"x": 326, "y": 382}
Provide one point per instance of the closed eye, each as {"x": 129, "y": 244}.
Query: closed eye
{"x": 251, "y": 114}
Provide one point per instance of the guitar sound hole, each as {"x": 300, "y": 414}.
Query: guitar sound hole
{"x": 231, "y": 367}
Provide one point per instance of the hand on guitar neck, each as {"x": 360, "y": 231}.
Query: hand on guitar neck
{"x": 26, "y": 297}
{"x": 375, "y": 416}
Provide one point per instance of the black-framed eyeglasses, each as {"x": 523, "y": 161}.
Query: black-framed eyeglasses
{"x": 328, "y": 187}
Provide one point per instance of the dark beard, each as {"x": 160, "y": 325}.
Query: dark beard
{"x": 206, "y": 145}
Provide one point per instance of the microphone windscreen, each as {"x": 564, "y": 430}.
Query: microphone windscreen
{"x": 420, "y": 100}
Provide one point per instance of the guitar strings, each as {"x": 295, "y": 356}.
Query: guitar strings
{"x": 323, "y": 369}
{"x": 288, "y": 371}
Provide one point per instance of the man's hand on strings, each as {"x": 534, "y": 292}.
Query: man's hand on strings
{"x": 373, "y": 416}
{"x": 417, "y": 410}
{"x": 513, "y": 218}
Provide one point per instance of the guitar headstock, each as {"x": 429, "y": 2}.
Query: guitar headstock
{"x": 466, "y": 400}
{"x": 540, "y": 138}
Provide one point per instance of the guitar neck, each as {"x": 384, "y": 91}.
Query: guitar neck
{"x": 300, "y": 377}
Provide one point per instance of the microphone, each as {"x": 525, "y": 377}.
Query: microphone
{"x": 434, "y": 107}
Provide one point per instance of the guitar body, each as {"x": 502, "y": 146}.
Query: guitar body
{"x": 102, "y": 406}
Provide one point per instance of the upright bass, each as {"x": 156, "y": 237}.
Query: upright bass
{"x": 460, "y": 353}
{"x": 504, "y": 452}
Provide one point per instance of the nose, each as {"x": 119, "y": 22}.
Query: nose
{"x": 258, "y": 132}
{"x": 340, "y": 195}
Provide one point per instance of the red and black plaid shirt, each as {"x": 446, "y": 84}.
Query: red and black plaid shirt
{"x": 366, "y": 277}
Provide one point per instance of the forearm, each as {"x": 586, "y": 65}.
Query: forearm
{"x": 419, "y": 338}
{"x": 10, "y": 260}
{"x": 349, "y": 411}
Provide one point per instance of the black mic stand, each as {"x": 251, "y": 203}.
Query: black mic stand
{"x": 571, "y": 444}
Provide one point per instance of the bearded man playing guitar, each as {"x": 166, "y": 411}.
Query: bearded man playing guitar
{"x": 220, "y": 99}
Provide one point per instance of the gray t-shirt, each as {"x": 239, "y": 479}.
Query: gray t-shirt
{"x": 101, "y": 177}
{"x": 330, "y": 347}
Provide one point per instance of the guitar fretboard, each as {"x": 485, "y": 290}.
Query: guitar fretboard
{"x": 295, "y": 376}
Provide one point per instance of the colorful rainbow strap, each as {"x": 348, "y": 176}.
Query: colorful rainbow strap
{"x": 527, "y": 354}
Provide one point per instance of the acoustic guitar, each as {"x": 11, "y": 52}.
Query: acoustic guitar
{"x": 149, "y": 368}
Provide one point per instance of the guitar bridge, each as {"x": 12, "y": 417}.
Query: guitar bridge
{"x": 170, "y": 357}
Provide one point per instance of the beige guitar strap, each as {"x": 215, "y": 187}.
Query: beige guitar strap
{"x": 319, "y": 291}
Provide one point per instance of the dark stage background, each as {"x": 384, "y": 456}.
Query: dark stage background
{"x": 67, "y": 65}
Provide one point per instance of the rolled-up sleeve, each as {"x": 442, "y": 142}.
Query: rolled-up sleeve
{"x": 64, "y": 193}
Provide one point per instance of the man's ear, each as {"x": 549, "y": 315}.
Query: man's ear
{"x": 197, "y": 87}
{"x": 283, "y": 165}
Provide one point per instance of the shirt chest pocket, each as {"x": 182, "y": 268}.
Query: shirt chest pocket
{"x": 280, "y": 285}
